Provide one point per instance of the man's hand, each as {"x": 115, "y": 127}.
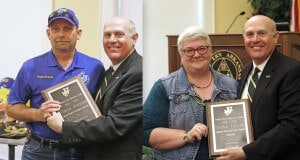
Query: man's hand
{"x": 47, "y": 108}
{"x": 55, "y": 122}
{"x": 234, "y": 153}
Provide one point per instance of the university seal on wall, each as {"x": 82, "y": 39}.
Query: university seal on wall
{"x": 228, "y": 63}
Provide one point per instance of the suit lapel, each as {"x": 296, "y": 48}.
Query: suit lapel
{"x": 265, "y": 79}
{"x": 123, "y": 68}
{"x": 263, "y": 82}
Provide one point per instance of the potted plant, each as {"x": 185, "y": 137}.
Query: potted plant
{"x": 278, "y": 10}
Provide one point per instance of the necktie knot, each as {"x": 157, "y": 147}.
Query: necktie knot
{"x": 109, "y": 73}
{"x": 255, "y": 74}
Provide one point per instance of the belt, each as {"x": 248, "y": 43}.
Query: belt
{"x": 53, "y": 144}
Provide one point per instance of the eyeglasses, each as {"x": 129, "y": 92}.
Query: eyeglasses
{"x": 191, "y": 51}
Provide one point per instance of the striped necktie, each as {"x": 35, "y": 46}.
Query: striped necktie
{"x": 252, "y": 84}
{"x": 104, "y": 84}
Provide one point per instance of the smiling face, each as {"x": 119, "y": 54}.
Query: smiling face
{"x": 195, "y": 50}
{"x": 260, "y": 38}
{"x": 119, "y": 38}
{"x": 198, "y": 61}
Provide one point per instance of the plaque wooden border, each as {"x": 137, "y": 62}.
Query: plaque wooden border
{"x": 92, "y": 106}
{"x": 231, "y": 125}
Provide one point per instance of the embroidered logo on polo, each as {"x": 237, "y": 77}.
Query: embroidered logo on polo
{"x": 85, "y": 78}
{"x": 228, "y": 63}
{"x": 45, "y": 76}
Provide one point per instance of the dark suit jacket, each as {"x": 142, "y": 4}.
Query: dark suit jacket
{"x": 275, "y": 110}
{"x": 118, "y": 134}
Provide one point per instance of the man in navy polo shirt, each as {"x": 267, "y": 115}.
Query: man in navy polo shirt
{"x": 62, "y": 62}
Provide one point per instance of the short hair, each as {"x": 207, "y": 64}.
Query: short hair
{"x": 192, "y": 33}
{"x": 131, "y": 27}
{"x": 125, "y": 20}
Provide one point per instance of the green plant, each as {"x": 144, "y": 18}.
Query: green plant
{"x": 278, "y": 10}
{"x": 147, "y": 153}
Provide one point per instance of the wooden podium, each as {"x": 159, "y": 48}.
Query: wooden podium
{"x": 288, "y": 43}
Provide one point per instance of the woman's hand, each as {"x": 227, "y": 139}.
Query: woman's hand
{"x": 196, "y": 133}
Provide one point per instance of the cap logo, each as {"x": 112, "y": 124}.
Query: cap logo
{"x": 63, "y": 13}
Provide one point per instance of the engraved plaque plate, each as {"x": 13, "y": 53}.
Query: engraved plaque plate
{"x": 76, "y": 100}
{"x": 229, "y": 125}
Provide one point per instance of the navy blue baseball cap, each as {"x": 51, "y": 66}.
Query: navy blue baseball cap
{"x": 6, "y": 82}
{"x": 63, "y": 13}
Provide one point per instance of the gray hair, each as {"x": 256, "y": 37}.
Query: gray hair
{"x": 124, "y": 20}
{"x": 131, "y": 27}
{"x": 192, "y": 33}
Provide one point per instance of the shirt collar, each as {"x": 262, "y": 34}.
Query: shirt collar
{"x": 116, "y": 66}
{"x": 262, "y": 65}
{"x": 76, "y": 63}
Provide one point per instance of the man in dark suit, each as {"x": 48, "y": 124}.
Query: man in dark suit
{"x": 117, "y": 134}
{"x": 275, "y": 105}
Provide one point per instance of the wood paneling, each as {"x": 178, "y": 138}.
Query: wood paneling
{"x": 288, "y": 44}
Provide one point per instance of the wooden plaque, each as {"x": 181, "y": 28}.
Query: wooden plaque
{"x": 229, "y": 125}
{"x": 76, "y": 100}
